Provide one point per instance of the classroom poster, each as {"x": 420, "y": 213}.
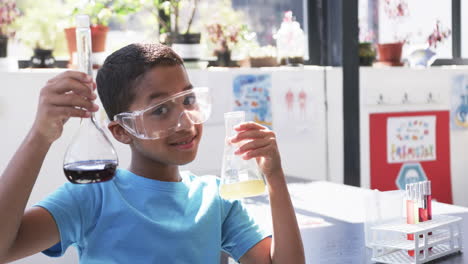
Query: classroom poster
{"x": 410, "y": 145}
{"x": 295, "y": 105}
{"x": 252, "y": 94}
{"x": 459, "y": 103}
{"x": 411, "y": 139}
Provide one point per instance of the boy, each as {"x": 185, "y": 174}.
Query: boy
{"x": 150, "y": 213}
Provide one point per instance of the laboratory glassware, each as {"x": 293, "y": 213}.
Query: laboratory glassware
{"x": 239, "y": 178}
{"x": 90, "y": 157}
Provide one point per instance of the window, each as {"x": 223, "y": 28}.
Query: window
{"x": 265, "y": 17}
{"x": 464, "y": 28}
{"x": 385, "y": 21}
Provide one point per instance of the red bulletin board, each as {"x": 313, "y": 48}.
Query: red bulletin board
{"x": 383, "y": 175}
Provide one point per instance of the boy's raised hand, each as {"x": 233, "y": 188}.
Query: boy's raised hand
{"x": 66, "y": 95}
{"x": 286, "y": 245}
{"x": 261, "y": 145}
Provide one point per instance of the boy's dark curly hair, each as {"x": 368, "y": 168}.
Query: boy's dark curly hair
{"x": 117, "y": 78}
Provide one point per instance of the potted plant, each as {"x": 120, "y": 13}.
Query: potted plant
{"x": 226, "y": 33}
{"x": 390, "y": 53}
{"x": 367, "y": 52}
{"x": 39, "y": 30}
{"x": 425, "y": 56}
{"x": 8, "y": 14}
{"x": 438, "y": 35}
{"x": 100, "y": 13}
{"x": 171, "y": 14}
{"x": 225, "y": 38}
{"x": 290, "y": 41}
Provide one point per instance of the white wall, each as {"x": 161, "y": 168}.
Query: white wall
{"x": 334, "y": 105}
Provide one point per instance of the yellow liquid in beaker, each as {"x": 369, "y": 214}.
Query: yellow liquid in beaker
{"x": 242, "y": 189}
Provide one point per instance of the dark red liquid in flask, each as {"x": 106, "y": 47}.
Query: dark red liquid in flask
{"x": 91, "y": 171}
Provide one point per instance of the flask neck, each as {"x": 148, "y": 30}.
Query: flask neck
{"x": 83, "y": 48}
{"x": 90, "y": 122}
{"x": 231, "y": 120}
{"x": 230, "y": 132}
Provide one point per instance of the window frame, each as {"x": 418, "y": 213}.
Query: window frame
{"x": 330, "y": 34}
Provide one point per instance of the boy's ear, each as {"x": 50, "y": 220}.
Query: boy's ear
{"x": 119, "y": 132}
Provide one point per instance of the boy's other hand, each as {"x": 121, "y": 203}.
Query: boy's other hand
{"x": 259, "y": 143}
{"x": 69, "y": 94}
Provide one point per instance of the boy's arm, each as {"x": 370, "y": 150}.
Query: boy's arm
{"x": 23, "y": 234}
{"x": 286, "y": 244}
{"x": 37, "y": 232}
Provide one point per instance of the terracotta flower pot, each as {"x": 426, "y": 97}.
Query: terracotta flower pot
{"x": 263, "y": 62}
{"x": 390, "y": 52}
{"x": 98, "y": 38}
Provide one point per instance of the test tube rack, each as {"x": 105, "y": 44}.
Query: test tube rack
{"x": 445, "y": 239}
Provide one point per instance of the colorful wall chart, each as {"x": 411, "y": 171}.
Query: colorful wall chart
{"x": 411, "y": 139}
{"x": 252, "y": 94}
{"x": 459, "y": 103}
{"x": 408, "y": 146}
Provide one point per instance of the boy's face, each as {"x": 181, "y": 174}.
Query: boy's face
{"x": 180, "y": 147}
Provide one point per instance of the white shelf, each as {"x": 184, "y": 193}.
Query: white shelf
{"x": 437, "y": 237}
{"x": 445, "y": 239}
{"x": 401, "y": 256}
{"x": 437, "y": 221}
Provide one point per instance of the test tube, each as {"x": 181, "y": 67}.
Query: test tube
{"x": 411, "y": 211}
{"x": 422, "y": 201}
{"x": 428, "y": 197}
{"x": 415, "y": 194}
{"x": 409, "y": 205}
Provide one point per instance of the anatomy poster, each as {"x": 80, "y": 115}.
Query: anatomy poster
{"x": 295, "y": 104}
{"x": 297, "y": 99}
{"x": 252, "y": 94}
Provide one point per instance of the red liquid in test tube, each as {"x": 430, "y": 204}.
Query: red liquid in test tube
{"x": 411, "y": 211}
{"x": 428, "y": 198}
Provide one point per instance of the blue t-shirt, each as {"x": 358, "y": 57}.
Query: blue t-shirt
{"x": 132, "y": 219}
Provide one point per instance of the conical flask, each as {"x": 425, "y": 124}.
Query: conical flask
{"x": 239, "y": 178}
{"x": 90, "y": 157}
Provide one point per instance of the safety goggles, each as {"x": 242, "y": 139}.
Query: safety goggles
{"x": 179, "y": 111}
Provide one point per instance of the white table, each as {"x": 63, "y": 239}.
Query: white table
{"x": 331, "y": 218}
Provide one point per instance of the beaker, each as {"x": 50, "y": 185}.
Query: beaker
{"x": 90, "y": 157}
{"x": 239, "y": 178}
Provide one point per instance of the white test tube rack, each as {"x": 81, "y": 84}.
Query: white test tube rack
{"x": 446, "y": 239}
